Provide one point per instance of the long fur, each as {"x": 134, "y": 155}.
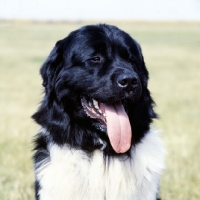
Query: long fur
{"x": 74, "y": 158}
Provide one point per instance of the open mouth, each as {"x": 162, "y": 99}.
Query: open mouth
{"x": 94, "y": 109}
{"x": 114, "y": 117}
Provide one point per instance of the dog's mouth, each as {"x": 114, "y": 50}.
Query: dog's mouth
{"x": 94, "y": 109}
{"x": 113, "y": 116}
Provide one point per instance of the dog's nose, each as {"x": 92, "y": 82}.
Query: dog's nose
{"x": 127, "y": 81}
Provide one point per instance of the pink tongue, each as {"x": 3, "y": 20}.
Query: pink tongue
{"x": 118, "y": 127}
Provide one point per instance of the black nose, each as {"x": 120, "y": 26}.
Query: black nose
{"x": 127, "y": 81}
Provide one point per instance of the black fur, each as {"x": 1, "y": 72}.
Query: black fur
{"x": 89, "y": 62}
{"x": 71, "y": 72}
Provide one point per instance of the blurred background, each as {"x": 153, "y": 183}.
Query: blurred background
{"x": 169, "y": 34}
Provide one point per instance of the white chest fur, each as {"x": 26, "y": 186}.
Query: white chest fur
{"x": 73, "y": 175}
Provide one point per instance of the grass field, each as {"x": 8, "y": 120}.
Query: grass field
{"x": 172, "y": 55}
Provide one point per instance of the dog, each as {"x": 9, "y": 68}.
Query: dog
{"x": 95, "y": 139}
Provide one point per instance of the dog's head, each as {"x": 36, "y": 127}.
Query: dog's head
{"x": 96, "y": 92}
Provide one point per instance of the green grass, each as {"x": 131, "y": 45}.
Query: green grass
{"x": 172, "y": 55}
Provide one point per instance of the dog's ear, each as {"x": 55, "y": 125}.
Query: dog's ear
{"x": 142, "y": 67}
{"x": 50, "y": 114}
{"x": 142, "y": 113}
{"x": 146, "y": 93}
{"x": 51, "y": 65}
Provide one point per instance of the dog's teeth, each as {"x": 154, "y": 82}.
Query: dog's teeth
{"x": 100, "y": 111}
{"x": 104, "y": 114}
{"x": 95, "y": 103}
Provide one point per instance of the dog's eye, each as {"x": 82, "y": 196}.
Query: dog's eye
{"x": 96, "y": 59}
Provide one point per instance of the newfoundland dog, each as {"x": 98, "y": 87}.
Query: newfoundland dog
{"x": 95, "y": 140}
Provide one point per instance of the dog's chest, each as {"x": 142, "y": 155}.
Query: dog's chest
{"x": 74, "y": 175}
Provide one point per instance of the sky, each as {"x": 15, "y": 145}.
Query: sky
{"x": 100, "y": 9}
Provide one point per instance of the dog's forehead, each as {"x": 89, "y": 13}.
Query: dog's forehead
{"x": 101, "y": 38}
{"x": 93, "y": 37}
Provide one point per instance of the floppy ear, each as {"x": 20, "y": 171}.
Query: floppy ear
{"x": 142, "y": 68}
{"x": 141, "y": 113}
{"x": 50, "y": 114}
{"x": 51, "y": 66}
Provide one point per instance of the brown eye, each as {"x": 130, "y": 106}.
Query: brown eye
{"x": 96, "y": 59}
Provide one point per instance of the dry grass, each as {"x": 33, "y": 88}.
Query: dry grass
{"x": 171, "y": 51}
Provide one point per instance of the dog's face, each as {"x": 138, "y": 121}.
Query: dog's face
{"x": 95, "y": 80}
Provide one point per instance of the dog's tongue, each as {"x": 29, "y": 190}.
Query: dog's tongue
{"x": 118, "y": 127}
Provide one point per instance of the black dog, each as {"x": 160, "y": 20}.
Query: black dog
{"x": 95, "y": 140}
